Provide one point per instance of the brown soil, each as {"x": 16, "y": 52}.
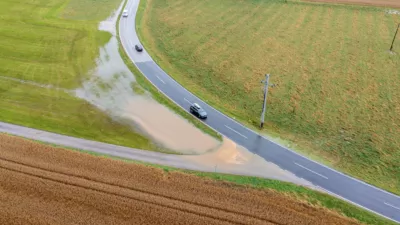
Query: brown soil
{"x": 384, "y": 3}
{"x": 44, "y": 185}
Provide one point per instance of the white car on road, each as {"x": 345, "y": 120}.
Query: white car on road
{"x": 125, "y": 13}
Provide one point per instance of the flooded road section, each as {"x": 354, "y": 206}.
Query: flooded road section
{"x": 234, "y": 159}
{"x": 113, "y": 88}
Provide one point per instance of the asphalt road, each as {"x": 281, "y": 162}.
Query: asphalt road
{"x": 346, "y": 187}
{"x": 191, "y": 162}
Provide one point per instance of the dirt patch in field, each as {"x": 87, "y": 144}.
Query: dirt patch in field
{"x": 384, "y": 3}
{"x": 45, "y": 185}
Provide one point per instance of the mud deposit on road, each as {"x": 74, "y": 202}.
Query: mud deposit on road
{"x": 384, "y": 3}
{"x": 232, "y": 158}
{"x": 44, "y": 185}
{"x": 166, "y": 127}
{"x": 113, "y": 88}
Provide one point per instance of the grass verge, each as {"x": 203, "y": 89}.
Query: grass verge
{"x": 158, "y": 96}
{"x": 338, "y": 87}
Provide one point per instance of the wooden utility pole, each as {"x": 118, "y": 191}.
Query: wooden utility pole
{"x": 394, "y": 38}
{"x": 264, "y": 108}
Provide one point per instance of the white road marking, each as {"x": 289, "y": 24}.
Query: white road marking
{"x": 347, "y": 200}
{"x": 284, "y": 147}
{"x": 160, "y": 79}
{"x": 288, "y": 149}
{"x": 130, "y": 42}
{"x": 310, "y": 170}
{"x": 392, "y": 206}
{"x": 235, "y": 131}
{"x": 187, "y": 100}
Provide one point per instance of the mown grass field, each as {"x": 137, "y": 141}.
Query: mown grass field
{"x": 338, "y": 93}
{"x": 47, "y": 48}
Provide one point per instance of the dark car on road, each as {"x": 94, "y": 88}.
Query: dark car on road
{"x": 196, "y": 110}
{"x": 138, "y": 48}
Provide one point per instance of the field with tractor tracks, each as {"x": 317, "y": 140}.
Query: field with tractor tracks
{"x": 41, "y": 184}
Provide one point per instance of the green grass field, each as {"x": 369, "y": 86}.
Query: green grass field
{"x": 47, "y": 48}
{"x": 338, "y": 93}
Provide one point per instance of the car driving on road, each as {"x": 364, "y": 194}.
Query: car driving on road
{"x": 138, "y": 48}
{"x": 125, "y": 13}
{"x": 196, "y": 110}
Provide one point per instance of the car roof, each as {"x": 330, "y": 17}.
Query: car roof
{"x": 196, "y": 105}
{"x": 125, "y": 10}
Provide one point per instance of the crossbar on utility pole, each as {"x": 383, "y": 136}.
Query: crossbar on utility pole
{"x": 394, "y": 38}
{"x": 265, "y": 100}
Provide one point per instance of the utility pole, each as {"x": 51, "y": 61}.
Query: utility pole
{"x": 266, "y": 84}
{"x": 394, "y": 38}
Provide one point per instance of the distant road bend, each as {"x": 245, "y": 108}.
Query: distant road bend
{"x": 339, "y": 184}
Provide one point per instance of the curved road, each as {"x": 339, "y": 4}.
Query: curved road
{"x": 348, "y": 188}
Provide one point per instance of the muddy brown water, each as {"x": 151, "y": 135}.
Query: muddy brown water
{"x": 110, "y": 88}
{"x": 235, "y": 159}
{"x": 166, "y": 127}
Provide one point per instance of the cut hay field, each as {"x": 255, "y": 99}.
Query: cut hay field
{"x": 47, "y": 48}
{"x": 40, "y": 184}
{"x": 337, "y": 97}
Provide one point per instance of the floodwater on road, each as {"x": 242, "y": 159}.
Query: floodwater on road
{"x": 232, "y": 158}
{"x": 113, "y": 88}
{"x": 166, "y": 127}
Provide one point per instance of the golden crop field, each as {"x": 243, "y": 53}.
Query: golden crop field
{"x": 41, "y": 184}
{"x": 338, "y": 88}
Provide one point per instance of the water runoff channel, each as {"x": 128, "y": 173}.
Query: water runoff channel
{"x": 113, "y": 88}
